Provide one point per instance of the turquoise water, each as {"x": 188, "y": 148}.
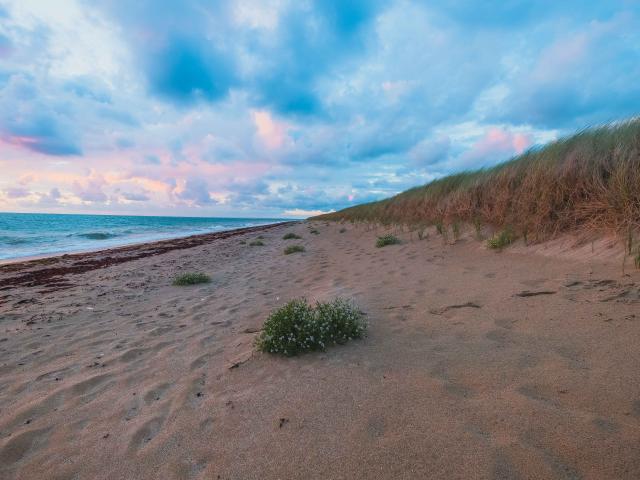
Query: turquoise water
{"x": 34, "y": 234}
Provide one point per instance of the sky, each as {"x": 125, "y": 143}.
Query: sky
{"x": 284, "y": 108}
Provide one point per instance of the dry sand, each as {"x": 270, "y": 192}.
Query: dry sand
{"x": 477, "y": 364}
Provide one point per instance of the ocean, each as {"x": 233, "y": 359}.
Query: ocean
{"x": 38, "y": 234}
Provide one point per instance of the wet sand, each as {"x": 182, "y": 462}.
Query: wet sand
{"x": 512, "y": 365}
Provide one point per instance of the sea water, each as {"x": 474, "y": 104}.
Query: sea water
{"x": 38, "y": 234}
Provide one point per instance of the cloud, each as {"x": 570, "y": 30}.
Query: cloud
{"x": 496, "y": 145}
{"x": 135, "y": 197}
{"x": 90, "y": 189}
{"x": 272, "y": 133}
{"x": 298, "y": 212}
{"x": 431, "y": 151}
{"x": 196, "y": 192}
{"x": 17, "y": 192}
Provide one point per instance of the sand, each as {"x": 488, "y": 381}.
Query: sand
{"x": 477, "y": 365}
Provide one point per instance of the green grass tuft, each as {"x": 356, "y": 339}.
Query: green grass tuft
{"x": 191, "y": 279}
{"x": 293, "y": 249}
{"x": 501, "y": 239}
{"x": 291, "y": 236}
{"x": 299, "y": 327}
{"x": 387, "y": 240}
{"x": 257, "y": 243}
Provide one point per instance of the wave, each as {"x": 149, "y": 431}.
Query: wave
{"x": 97, "y": 235}
{"x": 13, "y": 240}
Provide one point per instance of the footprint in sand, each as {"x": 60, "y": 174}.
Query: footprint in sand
{"x": 156, "y": 393}
{"x": 22, "y": 445}
{"x": 146, "y": 433}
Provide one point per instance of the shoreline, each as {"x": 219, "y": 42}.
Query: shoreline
{"x": 84, "y": 261}
{"x": 133, "y": 242}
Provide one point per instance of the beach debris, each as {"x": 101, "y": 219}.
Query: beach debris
{"x": 240, "y": 359}
{"x": 528, "y": 293}
{"x": 440, "y": 311}
{"x": 252, "y": 330}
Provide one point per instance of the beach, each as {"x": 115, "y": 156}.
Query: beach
{"x": 520, "y": 364}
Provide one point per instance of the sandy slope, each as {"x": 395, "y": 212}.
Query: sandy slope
{"x": 123, "y": 376}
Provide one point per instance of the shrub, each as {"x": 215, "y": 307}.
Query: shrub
{"x": 387, "y": 240}
{"x": 293, "y": 249}
{"x": 299, "y": 327}
{"x": 501, "y": 239}
{"x": 257, "y": 243}
{"x": 191, "y": 279}
{"x": 291, "y": 236}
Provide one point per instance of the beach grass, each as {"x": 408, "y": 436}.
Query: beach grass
{"x": 191, "y": 278}
{"x": 589, "y": 181}
{"x": 387, "y": 240}
{"x": 293, "y": 249}
{"x": 257, "y": 243}
{"x": 291, "y": 236}
{"x": 299, "y": 327}
{"x": 501, "y": 239}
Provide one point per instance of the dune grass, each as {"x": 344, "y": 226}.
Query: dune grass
{"x": 387, "y": 240}
{"x": 293, "y": 249}
{"x": 299, "y": 327}
{"x": 589, "y": 181}
{"x": 291, "y": 236}
{"x": 257, "y": 243}
{"x": 191, "y": 278}
{"x": 501, "y": 239}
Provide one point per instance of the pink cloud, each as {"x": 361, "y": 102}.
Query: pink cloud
{"x": 496, "y": 145}
{"x": 271, "y": 132}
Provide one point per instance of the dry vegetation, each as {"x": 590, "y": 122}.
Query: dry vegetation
{"x": 588, "y": 181}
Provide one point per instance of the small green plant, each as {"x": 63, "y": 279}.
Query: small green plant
{"x": 440, "y": 227}
{"x": 291, "y": 236}
{"x": 243, "y": 242}
{"x": 299, "y": 327}
{"x": 387, "y": 240}
{"x": 342, "y": 230}
{"x": 501, "y": 239}
{"x": 455, "y": 227}
{"x": 636, "y": 258}
{"x": 257, "y": 243}
{"x": 293, "y": 249}
{"x": 314, "y": 231}
{"x": 191, "y": 279}
{"x": 260, "y": 237}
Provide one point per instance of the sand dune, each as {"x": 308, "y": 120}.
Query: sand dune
{"x": 477, "y": 364}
